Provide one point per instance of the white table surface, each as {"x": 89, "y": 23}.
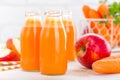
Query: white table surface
{"x": 75, "y": 72}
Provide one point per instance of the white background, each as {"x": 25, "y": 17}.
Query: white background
{"x": 12, "y": 20}
{"x": 12, "y": 12}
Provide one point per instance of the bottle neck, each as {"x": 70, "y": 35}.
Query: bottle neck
{"x": 32, "y": 18}
{"x": 67, "y": 15}
{"x": 53, "y": 19}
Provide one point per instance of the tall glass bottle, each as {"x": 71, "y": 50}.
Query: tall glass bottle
{"x": 53, "y": 57}
{"x": 70, "y": 31}
{"x": 30, "y": 39}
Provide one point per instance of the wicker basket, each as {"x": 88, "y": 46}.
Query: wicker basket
{"x": 103, "y": 27}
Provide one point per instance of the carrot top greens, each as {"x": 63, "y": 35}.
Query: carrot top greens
{"x": 114, "y": 10}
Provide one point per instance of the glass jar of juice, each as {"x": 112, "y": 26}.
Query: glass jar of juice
{"x": 70, "y": 31}
{"x": 53, "y": 58}
{"x": 30, "y": 39}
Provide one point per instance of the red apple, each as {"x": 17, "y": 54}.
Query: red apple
{"x": 91, "y": 47}
{"x": 8, "y": 55}
{"x": 13, "y": 44}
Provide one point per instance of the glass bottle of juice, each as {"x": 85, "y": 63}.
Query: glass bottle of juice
{"x": 53, "y": 57}
{"x": 30, "y": 39}
{"x": 70, "y": 31}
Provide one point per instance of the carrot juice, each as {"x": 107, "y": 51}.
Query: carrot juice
{"x": 53, "y": 58}
{"x": 30, "y": 39}
{"x": 69, "y": 28}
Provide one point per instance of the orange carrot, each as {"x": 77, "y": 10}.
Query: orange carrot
{"x": 94, "y": 14}
{"x": 85, "y": 10}
{"x": 92, "y": 24}
{"x": 103, "y": 9}
{"x": 107, "y": 65}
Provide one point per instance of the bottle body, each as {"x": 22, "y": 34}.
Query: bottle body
{"x": 70, "y": 32}
{"x": 53, "y": 57}
{"x": 30, "y": 39}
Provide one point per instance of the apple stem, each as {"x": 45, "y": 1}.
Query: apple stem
{"x": 83, "y": 48}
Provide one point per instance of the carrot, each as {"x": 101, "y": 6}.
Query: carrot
{"x": 92, "y": 24}
{"x": 107, "y": 65}
{"x": 103, "y": 9}
{"x": 119, "y": 35}
{"x": 94, "y": 14}
{"x": 85, "y": 10}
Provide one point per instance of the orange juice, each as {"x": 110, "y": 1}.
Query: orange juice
{"x": 30, "y": 39}
{"x": 53, "y": 58}
{"x": 69, "y": 28}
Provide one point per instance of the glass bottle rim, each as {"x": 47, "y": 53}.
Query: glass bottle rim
{"x": 32, "y": 13}
{"x": 53, "y": 13}
{"x": 67, "y": 12}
